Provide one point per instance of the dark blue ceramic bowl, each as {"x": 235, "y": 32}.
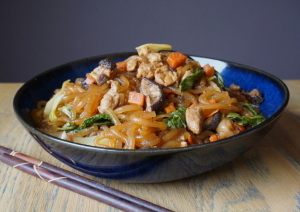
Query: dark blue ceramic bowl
{"x": 157, "y": 165}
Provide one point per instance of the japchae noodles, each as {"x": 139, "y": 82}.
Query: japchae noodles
{"x": 158, "y": 98}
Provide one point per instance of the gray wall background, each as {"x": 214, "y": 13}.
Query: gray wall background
{"x": 38, "y": 35}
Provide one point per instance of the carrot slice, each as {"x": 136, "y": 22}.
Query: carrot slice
{"x": 89, "y": 79}
{"x": 170, "y": 108}
{"x": 212, "y": 101}
{"x": 213, "y": 138}
{"x": 176, "y": 59}
{"x": 239, "y": 127}
{"x": 136, "y": 98}
{"x": 208, "y": 113}
{"x": 193, "y": 105}
{"x": 121, "y": 66}
{"x": 209, "y": 71}
{"x": 179, "y": 68}
{"x": 190, "y": 140}
{"x": 171, "y": 104}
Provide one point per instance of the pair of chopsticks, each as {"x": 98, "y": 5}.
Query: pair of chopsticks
{"x": 76, "y": 183}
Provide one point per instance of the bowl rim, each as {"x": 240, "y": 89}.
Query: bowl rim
{"x": 268, "y": 121}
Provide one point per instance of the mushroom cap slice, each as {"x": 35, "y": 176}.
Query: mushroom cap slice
{"x": 212, "y": 122}
{"x": 155, "y": 96}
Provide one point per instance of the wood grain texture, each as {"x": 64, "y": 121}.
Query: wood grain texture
{"x": 266, "y": 178}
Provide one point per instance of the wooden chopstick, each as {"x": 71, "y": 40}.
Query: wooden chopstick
{"x": 76, "y": 183}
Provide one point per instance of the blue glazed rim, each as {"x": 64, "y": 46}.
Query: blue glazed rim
{"x": 268, "y": 121}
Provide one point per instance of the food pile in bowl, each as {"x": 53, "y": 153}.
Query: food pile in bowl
{"x": 158, "y": 98}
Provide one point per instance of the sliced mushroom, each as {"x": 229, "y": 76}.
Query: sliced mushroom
{"x": 108, "y": 63}
{"x": 84, "y": 85}
{"x": 212, "y": 122}
{"x": 155, "y": 96}
{"x": 254, "y": 96}
{"x": 235, "y": 91}
{"x": 101, "y": 79}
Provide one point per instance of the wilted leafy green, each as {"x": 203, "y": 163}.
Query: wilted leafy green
{"x": 68, "y": 126}
{"x": 67, "y": 110}
{"x": 49, "y": 111}
{"x": 219, "y": 78}
{"x": 245, "y": 120}
{"x": 249, "y": 107}
{"x": 99, "y": 119}
{"x": 188, "y": 82}
{"x": 176, "y": 119}
{"x": 254, "y": 120}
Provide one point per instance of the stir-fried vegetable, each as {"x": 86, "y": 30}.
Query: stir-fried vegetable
{"x": 136, "y": 98}
{"x": 176, "y": 119}
{"x": 209, "y": 70}
{"x": 67, "y": 110}
{"x": 52, "y": 104}
{"x": 121, "y": 66}
{"x": 68, "y": 126}
{"x": 188, "y": 82}
{"x": 248, "y": 106}
{"x": 99, "y": 119}
{"x": 254, "y": 120}
{"x": 246, "y": 120}
{"x": 176, "y": 59}
{"x": 159, "y": 98}
{"x": 219, "y": 79}
{"x": 85, "y": 140}
{"x": 155, "y": 47}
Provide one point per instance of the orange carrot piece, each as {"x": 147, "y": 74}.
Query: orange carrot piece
{"x": 89, "y": 79}
{"x": 169, "y": 109}
{"x": 212, "y": 101}
{"x": 208, "y": 113}
{"x": 193, "y": 105}
{"x": 239, "y": 127}
{"x": 190, "y": 140}
{"x": 209, "y": 71}
{"x": 121, "y": 66}
{"x": 136, "y": 98}
{"x": 176, "y": 59}
{"x": 179, "y": 68}
{"x": 213, "y": 138}
{"x": 171, "y": 104}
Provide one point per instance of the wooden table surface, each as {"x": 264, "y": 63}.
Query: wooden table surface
{"x": 266, "y": 178}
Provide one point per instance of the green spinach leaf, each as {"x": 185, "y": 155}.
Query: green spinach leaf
{"x": 249, "y": 107}
{"x": 188, "y": 82}
{"x": 67, "y": 110}
{"x": 68, "y": 126}
{"x": 220, "y": 81}
{"x": 99, "y": 119}
{"x": 245, "y": 120}
{"x": 176, "y": 119}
